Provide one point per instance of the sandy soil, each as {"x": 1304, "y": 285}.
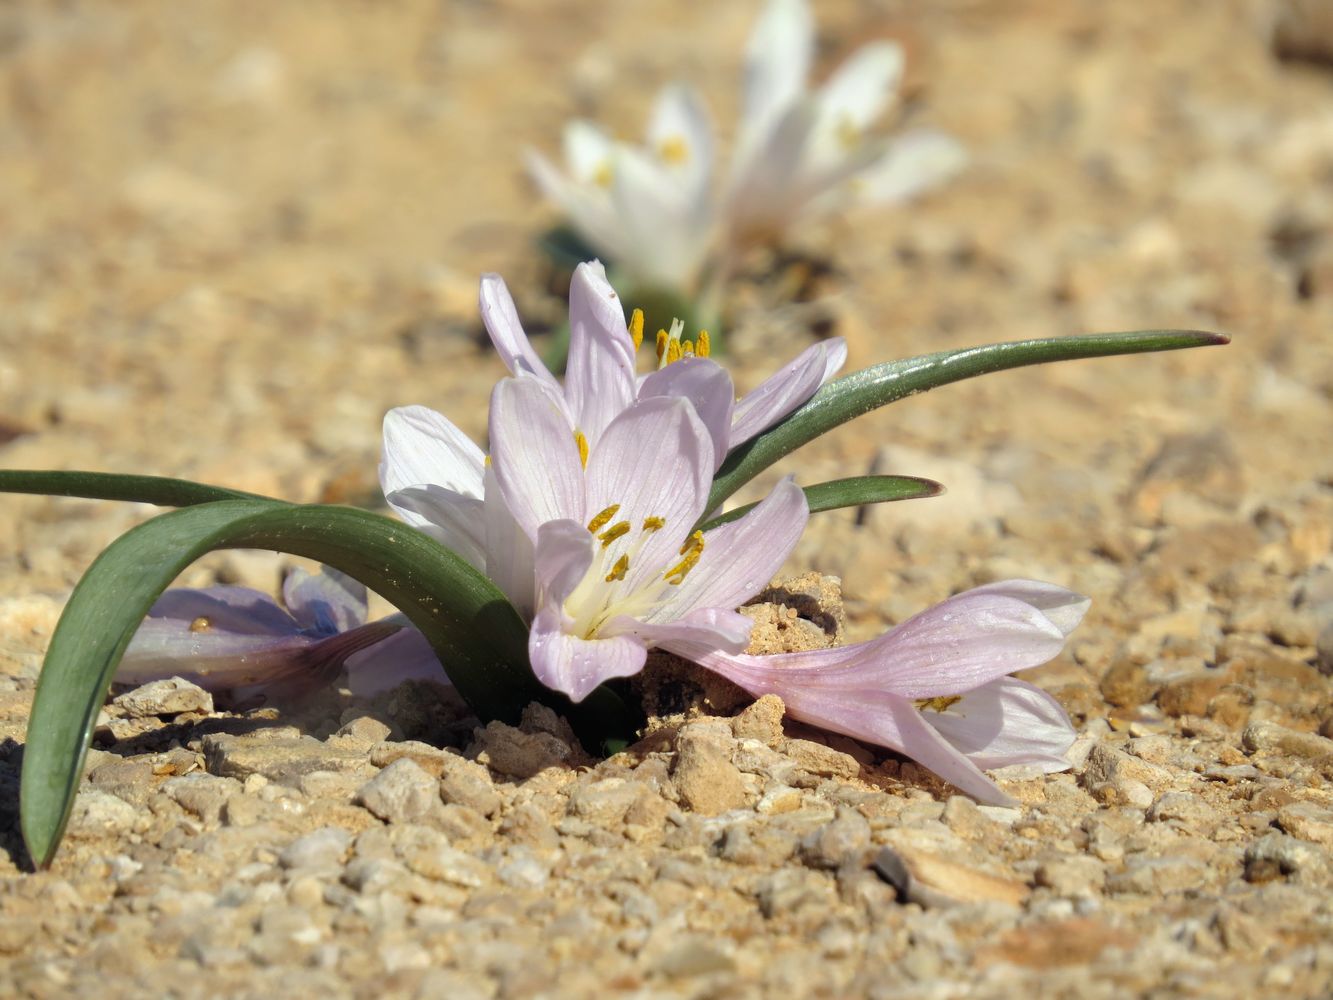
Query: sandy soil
{"x": 233, "y": 235}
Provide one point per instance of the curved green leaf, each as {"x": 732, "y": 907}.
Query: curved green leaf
{"x": 475, "y": 632}
{"x": 113, "y": 486}
{"x": 851, "y": 492}
{"x": 863, "y": 391}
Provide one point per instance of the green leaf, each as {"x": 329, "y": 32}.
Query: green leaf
{"x": 852, "y": 492}
{"x": 863, "y": 391}
{"x": 475, "y": 632}
{"x": 112, "y": 486}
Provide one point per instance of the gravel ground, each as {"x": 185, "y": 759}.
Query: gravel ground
{"x": 235, "y": 234}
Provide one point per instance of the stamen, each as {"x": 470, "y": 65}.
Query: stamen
{"x": 612, "y": 533}
{"x": 661, "y": 345}
{"x": 687, "y": 348}
{"x": 849, "y": 133}
{"x": 939, "y": 703}
{"x": 604, "y": 174}
{"x": 636, "y": 327}
{"x": 603, "y": 518}
{"x": 703, "y": 346}
{"x": 691, "y": 550}
{"x": 674, "y": 150}
{"x": 673, "y": 352}
{"x": 654, "y": 523}
{"x": 581, "y": 440}
{"x": 618, "y": 570}
{"x": 200, "y": 624}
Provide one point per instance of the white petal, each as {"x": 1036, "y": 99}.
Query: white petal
{"x": 506, "y": 330}
{"x": 586, "y": 205}
{"x": 667, "y": 227}
{"x": 708, "y": 387}
{"x": 564, "y": 551}
{"x": 924, "y": 745}
{"x": 741, "y": 557}
{"x": 1063, "y": 607}
{"x": 1005, "y": 722}
{"x": 777, "y": 63}
{"x": 707, "y": 630}
{"x": 599, "y": 380}
{"x": 912, "y": 164}
{"x": 534, "y": 454}
{"x": 455, "y": 521}
{"x": 509, "y": 551}
{"x": 422, "y": 447}
{"x": 588, "y": 151}
{"x": 681, "y": 136}
{"x": 862, "y": 88}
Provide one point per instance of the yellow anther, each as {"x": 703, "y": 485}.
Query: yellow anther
{"x": 488, "y": 461}
{"x": 849, "y": 133}
{"x": 604, "y": 174}
{"x": 603, "y": 518}
{"x": 691, "y": 550}
{"x": 200, "y": 624}
{"x": 618, "y": 570}
{"x": 654, "y": 523}
{"x": 939, "y": 703}
{"x": 612, "y": 533}
{"x": 674, "y": 150}
{"x": 703, "y": 346}
{"x": 581, "y": 440}
{"x": 661, "y": 344}
{"x": 687, "y": 348}
{"x": 673, "y": 352}
{"x": 636, "y": 327}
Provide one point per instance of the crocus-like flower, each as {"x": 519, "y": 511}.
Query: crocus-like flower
{"x": 801, "y": 152}
{"x": 242, "y": 644}
{"x": 937, "y": 687}
{"x": 618, "y": 565}
{"x": 649, "y": 208}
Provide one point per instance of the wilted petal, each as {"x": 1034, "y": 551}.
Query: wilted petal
{"x": 404, "y": 656}
{"x": 534, "y": 454}
{"x": 708, "y": 386}
{"x": 1006, "y": 722}
{"x": 238, "y": 610}
{"x": 455, "y": 521}
{"x": 911, "y": 164}
{"x": 325, "y": 602}
{"x": 599, "y": 380}
{"x": 577, "y": 666}
{"x": 741, "y": 557}
{"x": 786, "y": 390}
{"x": 500, "y": 316}
{"x": 655, "y": 460}
{"x": 420, "y": 447}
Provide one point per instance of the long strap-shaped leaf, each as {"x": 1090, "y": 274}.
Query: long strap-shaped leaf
{"x": 473, "y": 629}
{"x": 158, "y": 490}
{"x": 852, "y": 492}
{"x": 863, "y": 391}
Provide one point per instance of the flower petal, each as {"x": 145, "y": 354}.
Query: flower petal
{"x": 455, "y": 521}
{"x": 325, "y": 602}
{"x": 708, "y": 386}
{"x": 777, "y": 63}
{"x": 586, "y": 204}
{"x": 404, "y": 656}
{"x": 599, "y": 378}
{"x": 786, "y": 390}
{"x": 422, "y": 447}
{"x": 563, "y": 553}
{"x": 1005, "y": 722}
{"x": 681, "y": 136}
{"x": 741, "y": 557}
{"x": 655, "y": 460}
{"x": 910, "y": 165}
{"x": 861, "y": 89}
{"x": 927, "y": 747}
{"x": 588, "y": 151}
{"x": 508, "y": 550}
{"x": 225, "y": 610}
{"x": 500, "y": 316}
{"x": 534, "y": 454}
{"x": 703, "y": 631}
{"x": 667, "y": 225}
{"x": 1063, "y": 607}
{"x": 576, "y": 666}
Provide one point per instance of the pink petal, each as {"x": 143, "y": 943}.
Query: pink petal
{"x": 508, "y": 550}
{"x": 325, "y": 602}
{"x": 506, "y": 330}
{"x": 1005, "y": 722}
{"x": 534, "y": 454}
{"x": 404, "y": 656}
{"x": 564, "y": 551}
{"x": 927, "y": 747}
{"x": 708, "y": 386}
{"x": 599, "y": 378}
{"x": 574, "y": 665}
{"x": 421, "y": 447}
{"x": 698, "y": 633}
{"x": 455, "y": 521}
{"x": 236, "y": 610}
{"x": 786, "y": 390}
{"x": 741, "y": 557}
{"x": 1064, "y": 608}
{"x": 655, "y": 460}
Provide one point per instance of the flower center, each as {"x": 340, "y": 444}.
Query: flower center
{"x": 670, "y": 346}
{"x": 603, "y": 593}
{"x": 939, "y": 704}
{"x": 674, "y": 150}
